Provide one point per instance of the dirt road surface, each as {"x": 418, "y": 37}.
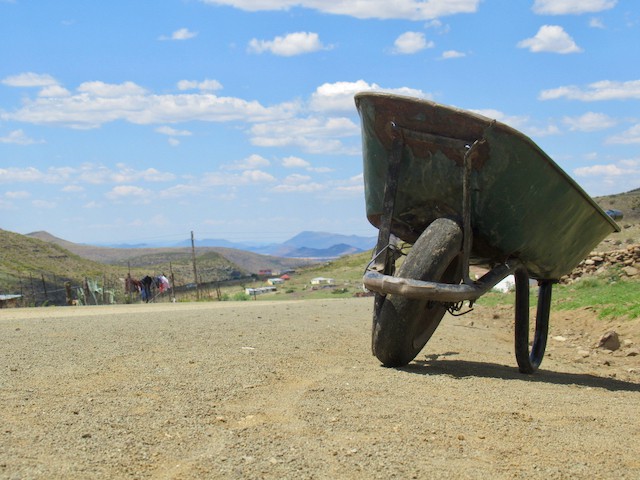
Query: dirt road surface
{"x": 289, "y": 390}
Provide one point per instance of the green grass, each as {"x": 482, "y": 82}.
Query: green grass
{"x": 609, "y": 298}
{"x": 346, "y": 271}
{"x": 618, "y": 299}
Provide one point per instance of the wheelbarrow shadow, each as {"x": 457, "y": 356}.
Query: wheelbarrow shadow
{"x": 436, "y": 365}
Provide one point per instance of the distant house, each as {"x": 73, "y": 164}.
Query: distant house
{"x": 9, "y": 300}
{"x": 265, "y": 272}
{"x": 322, "y": 281}
{"x": 259, "y": 290}
{"x": 285, "y": 277}
{"x": 275, "y": 281}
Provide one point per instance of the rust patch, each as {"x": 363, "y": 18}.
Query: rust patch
{"x": 428, "y": 128}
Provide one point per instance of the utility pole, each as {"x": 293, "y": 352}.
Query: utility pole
{"x": 195, "y": 272}
{"x": 173, "y": 284}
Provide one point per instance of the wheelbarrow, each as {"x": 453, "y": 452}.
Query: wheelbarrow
{"x": 464, "y": 190}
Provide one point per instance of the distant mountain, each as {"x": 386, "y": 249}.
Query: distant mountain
{"x": 320, "y": 245}
{"x": 211, "y": 242}
{"x": 326, "y": 240}
{"x": 245, "y": 260}
{"x": 334, "y": 251}
{"x": 307, "y": 244}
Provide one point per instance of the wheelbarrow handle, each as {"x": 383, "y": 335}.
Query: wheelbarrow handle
{"x": 439, "y": 292}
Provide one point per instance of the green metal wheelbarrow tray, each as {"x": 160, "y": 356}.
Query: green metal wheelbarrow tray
{"x": 464, "y": 190}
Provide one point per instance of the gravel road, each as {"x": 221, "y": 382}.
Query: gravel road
{"x": 279, "y": 390}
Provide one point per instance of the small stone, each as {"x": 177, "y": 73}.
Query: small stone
{"x": 609, "y": 341}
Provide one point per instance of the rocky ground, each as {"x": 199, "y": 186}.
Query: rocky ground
{"x": 624, "y": 262}
{"x": 290, "y": 390}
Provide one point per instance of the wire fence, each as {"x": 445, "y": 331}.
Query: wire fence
{"x": 43, "y": 289}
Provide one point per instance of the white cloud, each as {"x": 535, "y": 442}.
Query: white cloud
{"x": 251, "y": 162}
{"x": 400, "y": 9}
{"x": 437, "y": 24}
{"x": 602, "y": 90}
{"x": 44, "y": 204}
{"x": 296, "y": 179}
{"x": 96, "y": 103}
{"x": 181, "y": 34}
{"x": 27, "y": 174}
{"x": 292, "y": 44}
{"x": 18, "y": 137}
{"x": 596, "y": 23}
{"x": 312, "y": 134}
{"x": 515, "y": 121}
{"x": 111, "y": 90}
{"x": 589, "y": 122}
{"x": 205, "y": 85}
{"x": 54, "y": 91}
{"x": 99, "y": 174}
{"x": 295, "y": 162}
{"x": 29, "y": 79}
{"x": 299, "y": 188}
{"x": 448, "y": 54}
{"x": 571, "y": 7}
{"x": 600, "y": 170}
{"x": 129, "y": 191}
{"x": 166, "y": 130}
{"x": 73, "y": 189}
{"x": 550, "y": 38}
{"x": 179, "y": 191}
{"x": 338, "y": 96}
{"x": 248, "y": 177}
{"x": 18, "y": 195}
{"x": 87, "y": 173}
{"x": 411, "y": 42}
{"x": 628, "y": 137}
{"x": 520, "y": 122}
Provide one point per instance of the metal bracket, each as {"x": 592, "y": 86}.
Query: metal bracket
{"x": 381, "y": 263}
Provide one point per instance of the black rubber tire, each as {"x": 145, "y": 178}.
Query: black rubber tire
{"x": 403, "y": 326}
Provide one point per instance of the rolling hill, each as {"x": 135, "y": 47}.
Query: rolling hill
{"x": 245, "y": 261}
{"x": 43, "y": 262}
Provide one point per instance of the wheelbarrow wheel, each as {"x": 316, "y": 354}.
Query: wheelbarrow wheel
{"x": 402, "y": 326}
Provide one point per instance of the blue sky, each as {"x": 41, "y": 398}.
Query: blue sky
{"x": 141, "y": 121}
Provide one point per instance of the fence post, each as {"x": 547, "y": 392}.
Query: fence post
{"x": 67, "y": 289}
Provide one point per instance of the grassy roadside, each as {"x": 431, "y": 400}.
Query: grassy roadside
{"x": 609, "y": 298}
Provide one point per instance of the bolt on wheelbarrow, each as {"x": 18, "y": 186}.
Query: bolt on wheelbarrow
{"x": 464, "y": 190}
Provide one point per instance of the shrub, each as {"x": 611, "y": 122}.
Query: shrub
{"x": 241, "y": 297}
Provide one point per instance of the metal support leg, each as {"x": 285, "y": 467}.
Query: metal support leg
{"x": 388, "y": 203}
{"x": 528, "y": 362}
{"x": 384, "y": 259}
